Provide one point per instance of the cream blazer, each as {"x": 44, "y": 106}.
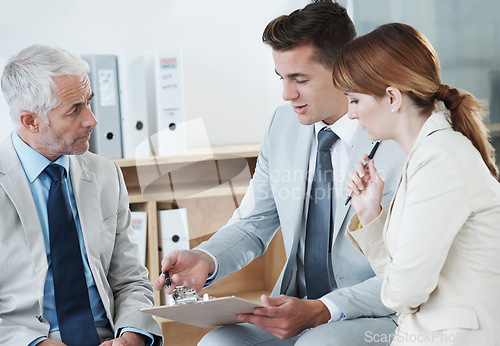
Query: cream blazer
{"x": 437, "y": 251}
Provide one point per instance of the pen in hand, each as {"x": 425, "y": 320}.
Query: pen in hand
{"x": 168, "y": 282}
{"x": 370, "y": 156}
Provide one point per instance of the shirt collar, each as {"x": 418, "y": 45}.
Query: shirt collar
{"x": 344, "y": 127}
{"x": 33, "y": 162}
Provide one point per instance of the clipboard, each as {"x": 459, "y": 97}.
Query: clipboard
{"x": 205, "y": 313}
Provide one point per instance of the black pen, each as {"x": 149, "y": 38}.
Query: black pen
{"x": 167, "y": 278}
{"x": 370, "y": 156}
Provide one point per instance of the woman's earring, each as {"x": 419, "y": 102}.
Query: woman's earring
{"x": 392, "y": 110}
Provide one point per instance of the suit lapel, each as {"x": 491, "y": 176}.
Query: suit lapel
{"x": 85, "y": 190}
{"x": 436, "y": 122}
{"x": 298, "y": 168}
{"x": 300, "y": 164}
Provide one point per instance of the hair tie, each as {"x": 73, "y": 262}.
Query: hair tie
{"x": 450, "y": 96}
{"x": 442, "y": 92}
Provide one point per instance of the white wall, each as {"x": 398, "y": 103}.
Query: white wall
{"x": 5, "y": 123}
{"x": 228, "y": 72}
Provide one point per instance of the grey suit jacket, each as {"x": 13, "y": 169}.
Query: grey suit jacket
{"x": 275, "y": 198}
{"x": 102, "y": 202}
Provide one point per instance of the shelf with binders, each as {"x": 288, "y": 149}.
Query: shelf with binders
{"x": 210, "y": 184}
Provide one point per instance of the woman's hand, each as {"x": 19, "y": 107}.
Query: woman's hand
{"x": 366, "y": 186}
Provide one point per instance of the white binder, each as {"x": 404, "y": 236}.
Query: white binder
{"x": 164, "y": 181}
{"x": 106, "y": 139}
{"x": 174, "y": 230}
{"x": 169, "y": 104}
{"x": 134, "y": 111}
{"x": 139, "y": 226}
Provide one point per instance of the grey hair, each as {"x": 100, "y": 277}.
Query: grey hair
{"x": 28, "y": 79}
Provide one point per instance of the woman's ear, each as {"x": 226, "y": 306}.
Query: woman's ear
{"x": 394, "y": 98}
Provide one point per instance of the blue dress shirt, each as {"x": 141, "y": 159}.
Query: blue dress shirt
{"x": 34, "y": 165}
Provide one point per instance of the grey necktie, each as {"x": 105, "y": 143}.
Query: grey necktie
{"x": 320, "y": 221}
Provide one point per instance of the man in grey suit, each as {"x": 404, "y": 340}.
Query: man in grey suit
{"x": 305, "y": 44}
{"x": 70, "y": 269}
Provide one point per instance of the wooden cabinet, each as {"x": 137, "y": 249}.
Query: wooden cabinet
{"x": 210, "y": 184}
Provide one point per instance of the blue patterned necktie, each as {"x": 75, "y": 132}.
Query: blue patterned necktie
{"x": 74, "y": 315}
{"x": 319, "y": 280}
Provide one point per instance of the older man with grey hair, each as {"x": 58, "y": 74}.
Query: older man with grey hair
{"x": 70, "y": 267}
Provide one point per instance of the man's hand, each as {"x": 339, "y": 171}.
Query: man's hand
{"x": 285, "y": 316}
{"x": 187, "y": 268}
{"x": 127, "y": 339}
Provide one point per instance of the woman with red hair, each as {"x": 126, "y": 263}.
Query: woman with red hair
{"x": 437, "y": 247}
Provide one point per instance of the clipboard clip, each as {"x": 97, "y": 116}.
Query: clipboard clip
{"x": 184, "y": 295}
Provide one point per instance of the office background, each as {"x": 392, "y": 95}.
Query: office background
{"x": 228, "y": 72}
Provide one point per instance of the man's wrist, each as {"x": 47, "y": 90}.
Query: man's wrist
{"x": 134, "y": 332}
{"x": 335, "y": 313}
{"x": 205, "y": 257}
{"x": 136, "y": 337}
{"x": 320, "y": 312}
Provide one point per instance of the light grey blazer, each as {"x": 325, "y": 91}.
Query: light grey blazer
{"x": 102, "y": 201}
{"x": 275, "y": 198}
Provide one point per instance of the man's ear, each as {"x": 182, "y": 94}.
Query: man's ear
{"x": 394, "y": 97}
{"x": 30, "y": 121}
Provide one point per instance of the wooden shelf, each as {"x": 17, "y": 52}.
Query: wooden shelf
{"x": 223, "y": 172}
{"x": 195, "y": 154}
{"x": 135, "y": 195}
